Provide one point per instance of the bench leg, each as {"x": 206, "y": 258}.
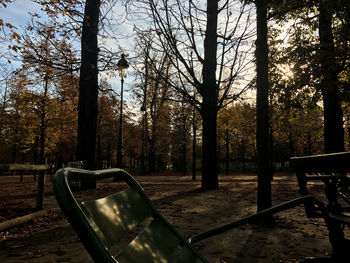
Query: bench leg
{"x": 340, "y": 245}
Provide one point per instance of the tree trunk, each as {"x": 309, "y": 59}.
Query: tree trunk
{"x": 144, "y": 145}
{"x": 99, "y": 153}
{"x": 218, "y": 156}
{"x": 43, "y": 120}
{"x": 262, "y": 106}
{"x": 14, "y": 152}
{"x": 109, "y": 165}
{"x": 41, "y": 180}
{"x": 142, "y": 160}
{"x": 209, "y": 160}
{"x": 227, "y": 162}
{"x": 152, "y": 156}
{"x": 194, "y": 145}
{"x": 291, "y": 144}
{"x": 184, "y": 161}
{"x": 333, "y": 116}
{"x": 88, "y": 85}
{"x": 144, "y": 117}
{"x": 209, "y": 96}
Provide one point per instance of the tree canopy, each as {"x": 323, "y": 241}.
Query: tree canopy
{"x": 190, "y": 94}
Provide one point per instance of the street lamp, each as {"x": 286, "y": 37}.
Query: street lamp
{"x": 122, "y": 66}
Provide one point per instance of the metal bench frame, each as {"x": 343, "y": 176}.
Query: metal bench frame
{"x": 331, "y": 169}
{"x": 100, "y": 223}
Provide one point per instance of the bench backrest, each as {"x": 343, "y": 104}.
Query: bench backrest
{"x": 104, "y": 223}
{"x": 328, "y": 168}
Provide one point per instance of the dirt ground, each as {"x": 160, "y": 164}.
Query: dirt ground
{"x": 293, "y": 237}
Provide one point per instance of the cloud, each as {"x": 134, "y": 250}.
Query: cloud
{"x": 17, "y": 13}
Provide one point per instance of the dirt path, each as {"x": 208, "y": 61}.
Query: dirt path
{"x": 294, "y": 237}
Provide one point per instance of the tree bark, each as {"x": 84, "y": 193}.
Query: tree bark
{"x": 43, "y": 120}
{"x": 227, "y": 162}
{"x": 209, "y": 104}
{"x": 88, "y": 85}
{"x": 152, "y": 156}
{"x": 333, "y": 116}
{"x": 184, "y": 146}
{"x": 194, "y": 145}
{"x": 262, "y": 106}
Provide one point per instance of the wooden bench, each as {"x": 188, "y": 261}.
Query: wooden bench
{"x": 104, "y": 225}
{"x": 30, "y": 169}
{"x": 331, "y": 169}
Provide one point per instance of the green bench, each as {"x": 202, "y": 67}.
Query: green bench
{"x": 104, "y": 225}
{"x": 330, "y": 169}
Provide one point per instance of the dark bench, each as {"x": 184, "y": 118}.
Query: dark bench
{"x": 30, "y": 169}
{"x": 331, "y": 169}
{"x": 106, "y": 226}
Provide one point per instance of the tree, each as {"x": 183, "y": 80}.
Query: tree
{"x": 262, "y": 109}
{"x": 66, "y": 121}
{"x": 296, "y": 115}
{"x": 47, "y": 59}
{"x": 194, "y": 121}
{"x": 333, "y": 116}
{"x": 181, "y": 126}
{"x": 7, "y": 30}
{"x": 18, "y": 123}
{"x": 328, "y": 51}
{"x": 191, "y": 39}
{"x": 237, "y": 129}
{"x": 86, "y": 27}
{"x": 88, "y": 85}
{"x": 108, "y": 112}
{"x": 155, "y": 94}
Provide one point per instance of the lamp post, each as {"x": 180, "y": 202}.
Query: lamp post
{"x": 122, "y": 66}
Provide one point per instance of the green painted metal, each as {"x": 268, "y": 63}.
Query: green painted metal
{"x": 113, "y": 216}
{"x": 344, "y": 193}
{"x": 332, "y": 170}
{"x": 102, "y": 223}
{"x": 187, "y": 256}
{"x": 254, "y": 217}
{"x": 156, "y": 243}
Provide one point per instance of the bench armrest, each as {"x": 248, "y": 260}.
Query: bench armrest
{"x": 258, "y": 215}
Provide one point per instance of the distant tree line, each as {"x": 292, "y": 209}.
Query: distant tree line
{"x": 193, "y": 97}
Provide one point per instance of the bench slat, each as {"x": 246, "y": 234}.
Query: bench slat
{"x": 155, "y": 244}
{"x": 340, "y": 217}
{"x": 344, "y": 193}
{"x": 113, "y": 216}
{"x": 188, "y": 256}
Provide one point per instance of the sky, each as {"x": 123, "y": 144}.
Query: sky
{"x": 17, "y": 14}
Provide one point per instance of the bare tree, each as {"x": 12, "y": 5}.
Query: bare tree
{"x": 88, "y": 85}
{"x": 262, "y": 109}
{"x": 208, "y": 45}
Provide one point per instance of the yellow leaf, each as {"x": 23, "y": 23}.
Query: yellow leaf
{"x": 16, "y": 35}
{"x": 9, "y": 25}
{"x": 64, "y": 14}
